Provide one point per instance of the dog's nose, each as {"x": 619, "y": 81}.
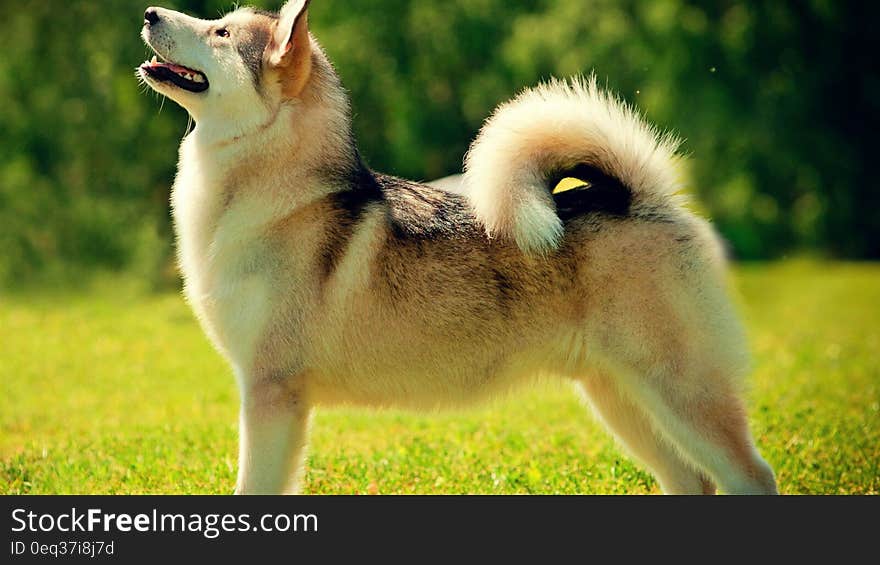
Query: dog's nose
{"x": 151, "y": 16}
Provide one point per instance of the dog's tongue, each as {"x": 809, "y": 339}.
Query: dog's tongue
{"x": 176, "y": 68}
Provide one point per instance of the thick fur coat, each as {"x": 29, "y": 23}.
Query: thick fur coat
{"x": 323, "y": 282}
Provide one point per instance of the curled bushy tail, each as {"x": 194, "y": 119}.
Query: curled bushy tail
{"x": 556, "y": 127}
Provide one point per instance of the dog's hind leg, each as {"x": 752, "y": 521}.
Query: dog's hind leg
{"x": 634, "y": 430}
{"x": 708, "y": 426}
{"x": 273, "y": 431}
{"x": 680, "y": 357}
{"x": 670, "y": 335}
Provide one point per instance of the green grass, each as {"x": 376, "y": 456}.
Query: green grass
{"x": 117, "y": 391}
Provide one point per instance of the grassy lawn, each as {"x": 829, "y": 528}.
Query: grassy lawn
{"x": 117, "y": 391}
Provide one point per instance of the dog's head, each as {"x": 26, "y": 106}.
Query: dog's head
{"x": 233, "y": 72}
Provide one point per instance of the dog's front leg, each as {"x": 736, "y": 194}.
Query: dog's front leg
{"x": 273, "y": 428}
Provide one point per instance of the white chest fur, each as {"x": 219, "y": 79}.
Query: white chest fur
{"x": 220, "y": 252}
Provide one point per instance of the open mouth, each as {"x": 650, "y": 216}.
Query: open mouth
{"x": 180, "y": 76}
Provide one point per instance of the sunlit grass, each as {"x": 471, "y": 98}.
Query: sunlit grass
{"x": 117, "y": 391}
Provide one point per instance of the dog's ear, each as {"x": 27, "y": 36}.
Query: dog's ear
{"x": 291, "y": 49}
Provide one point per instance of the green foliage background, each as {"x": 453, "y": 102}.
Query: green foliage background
{"x": 776, "y": 100}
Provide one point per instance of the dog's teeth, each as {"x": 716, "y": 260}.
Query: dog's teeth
{"x": 154, "y": 60}
{"x": 198, "y": 78}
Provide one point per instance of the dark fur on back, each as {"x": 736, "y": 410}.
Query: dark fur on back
{"x": 419, "y": 210}
{"x": 429, "y": 221}
{"x": 435, "y": 249}
{"x": 423, "y": 212}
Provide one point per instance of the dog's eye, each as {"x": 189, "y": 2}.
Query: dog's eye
{"x": 222, "y": 32}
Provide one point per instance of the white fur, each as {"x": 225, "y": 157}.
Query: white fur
{"x": 220, "y": 253}
{"x": 215, "y": 248}
{"x": 559, "y": 124}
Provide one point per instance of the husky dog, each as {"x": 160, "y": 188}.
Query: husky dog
{"x": 323, "y": 282}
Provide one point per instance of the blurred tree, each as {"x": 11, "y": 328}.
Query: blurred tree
{"x": 777, "y": 102}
